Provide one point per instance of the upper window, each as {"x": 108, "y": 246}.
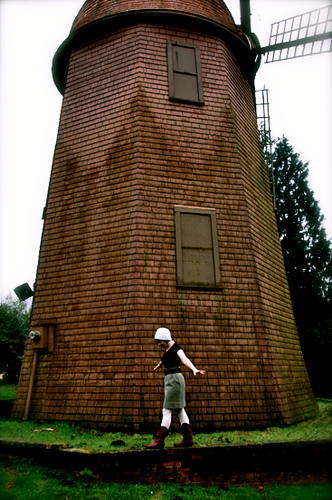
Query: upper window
{"x": 197, "y": 253}
{"x": 184, "y": 73}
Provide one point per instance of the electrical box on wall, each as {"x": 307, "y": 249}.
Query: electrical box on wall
{"x": 42, "y": 337}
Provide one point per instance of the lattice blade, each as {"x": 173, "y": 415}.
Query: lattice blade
{"x": 303, "y": 35}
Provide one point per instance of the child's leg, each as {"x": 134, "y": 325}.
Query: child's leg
{"x": 183, "y": 417}
{"x": 167, "y": 418}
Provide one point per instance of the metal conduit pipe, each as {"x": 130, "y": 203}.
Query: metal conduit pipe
{"x": 245, "y": 16}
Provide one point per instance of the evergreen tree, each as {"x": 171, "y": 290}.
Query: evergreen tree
{"x": 307, "y": 251}
{"x": 308, "y": 261}
{"x": 14, "y": 323}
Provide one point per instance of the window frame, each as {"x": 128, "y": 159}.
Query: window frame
{"x": 172, "y": 71}
{"x": 180, "y": 209}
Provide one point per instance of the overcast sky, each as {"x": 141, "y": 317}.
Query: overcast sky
{"x": 30, "y": 33}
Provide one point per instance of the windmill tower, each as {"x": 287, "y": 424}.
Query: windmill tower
{"x": 159, "y": 213}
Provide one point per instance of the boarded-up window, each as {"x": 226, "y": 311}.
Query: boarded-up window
{"x": 184, "y": 73}
{"x": 196, "y": 247}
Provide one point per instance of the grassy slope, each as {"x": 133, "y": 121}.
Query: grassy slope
{"x": 94, "y": 440}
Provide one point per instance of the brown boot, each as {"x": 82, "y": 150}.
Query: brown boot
{"x": 187, "y": 436}
{"x": 159, "y": 440}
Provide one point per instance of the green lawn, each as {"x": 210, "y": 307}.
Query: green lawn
{"x": 7, "y": 391}
{"x": 22, "y": 480}
{"x": 72, "y": 436}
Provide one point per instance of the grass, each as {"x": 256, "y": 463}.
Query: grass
{"x": 72, "y": 436}
{"x": 23, "y": 480}
{"x": 7, "y": 391}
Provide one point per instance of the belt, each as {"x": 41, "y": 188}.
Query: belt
{"x": 169, "y": 371}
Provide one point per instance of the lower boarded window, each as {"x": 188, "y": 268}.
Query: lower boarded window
{"x": 197, "y": 252}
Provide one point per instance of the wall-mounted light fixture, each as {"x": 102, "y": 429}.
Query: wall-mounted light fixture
{"x": 23, "y": 292}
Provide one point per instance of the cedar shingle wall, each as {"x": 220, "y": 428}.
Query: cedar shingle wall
{"x": 125, "y": 155}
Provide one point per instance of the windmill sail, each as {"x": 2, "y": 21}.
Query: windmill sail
{"x": 303, "y": 35}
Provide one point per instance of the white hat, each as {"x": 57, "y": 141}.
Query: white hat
{"x": 163, "y": 334}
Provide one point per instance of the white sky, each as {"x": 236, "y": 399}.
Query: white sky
{"x": 30, "y": 33}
